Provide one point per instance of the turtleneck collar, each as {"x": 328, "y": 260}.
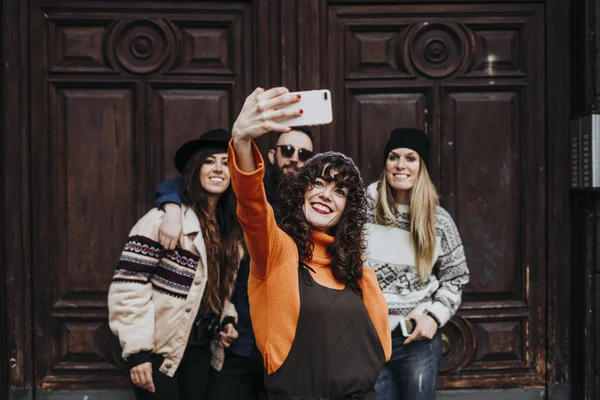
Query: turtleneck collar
{"x": 321, "y": 242}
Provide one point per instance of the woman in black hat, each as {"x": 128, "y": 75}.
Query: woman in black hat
{"x": 414, "y": 247}
{"x": 170, "y": 308}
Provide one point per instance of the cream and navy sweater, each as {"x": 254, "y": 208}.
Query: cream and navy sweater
{"x": 390, "y": 254}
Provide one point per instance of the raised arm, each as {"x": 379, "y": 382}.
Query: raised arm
{"x": 264, "y": 240}
{"x": 259, "y": 116}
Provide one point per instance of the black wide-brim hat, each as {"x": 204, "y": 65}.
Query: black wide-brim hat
{"x": 217, "y": 139}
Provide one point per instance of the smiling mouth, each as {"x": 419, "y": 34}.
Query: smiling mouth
{"x": 217, "y": 179}
{"x": 401, "y": 176}
{"x": 321, "y": 208}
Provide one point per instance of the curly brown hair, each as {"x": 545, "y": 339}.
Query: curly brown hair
{"x": 347, "y": 250}
{"x": 221, "y": 230}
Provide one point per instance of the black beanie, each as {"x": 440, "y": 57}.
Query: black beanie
{"x": 410, "y": 138}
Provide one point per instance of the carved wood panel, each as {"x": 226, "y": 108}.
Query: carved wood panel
{"x": 370, "y": 107}
{"x": 171, "y": 103}
{"x": 472, "y": 77}
{"x": 467, "y": 171}
{"x": 116, "y": 93}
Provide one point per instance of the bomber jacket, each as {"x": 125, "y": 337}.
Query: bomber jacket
{"x": 155, "y": 294}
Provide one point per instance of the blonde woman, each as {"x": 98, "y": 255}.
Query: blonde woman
{"x": 416, "y": 251}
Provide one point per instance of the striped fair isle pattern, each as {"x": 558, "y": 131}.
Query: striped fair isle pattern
{"x": 144, "y": 260}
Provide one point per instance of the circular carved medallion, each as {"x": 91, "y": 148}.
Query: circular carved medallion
{"x": 142, "y": 46}
{"x": 438, "y": 49}
{"x": 457, "y": 344}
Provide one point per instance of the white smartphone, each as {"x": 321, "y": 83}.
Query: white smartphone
{"x": 407, "y": 325}
{"x": 316, "y": 105}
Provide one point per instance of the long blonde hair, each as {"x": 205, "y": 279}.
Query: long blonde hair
{"x": 424, "y": 200}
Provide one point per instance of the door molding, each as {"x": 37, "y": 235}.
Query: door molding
{"x": 16, "y": 246}
{"x": 3, "y": 339}
{"x": 558, "y": 218}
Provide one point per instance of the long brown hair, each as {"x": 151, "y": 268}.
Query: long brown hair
{"x": 221, "y": 231}
{"x": 424, "y": 200}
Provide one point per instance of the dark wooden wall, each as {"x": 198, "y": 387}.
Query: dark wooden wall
{"x": 464, "y": 73}
{"x": 94, "y": 108}
{"x": 586, "y": 305}
{"x": 3, "y": 332}
{"x": 15, "y": 195}
{"x": 586, "y": 211}
{"x": 558, "y": 216}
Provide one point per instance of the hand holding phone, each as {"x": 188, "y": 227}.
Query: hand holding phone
{"x": 316, "y": 107}
{"x": 407, "y": 325}
{"x": 425, "y": 327}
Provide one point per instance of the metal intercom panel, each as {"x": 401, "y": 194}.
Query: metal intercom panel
{"x": 585, "y": 152}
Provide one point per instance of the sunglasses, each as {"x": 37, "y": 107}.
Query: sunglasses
{"x": 288, "y": 151}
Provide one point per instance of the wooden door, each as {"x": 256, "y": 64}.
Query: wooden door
{"x": 116, "y": 87}
{"x": 472, "y": 76}
{"x": 115, "y": 90}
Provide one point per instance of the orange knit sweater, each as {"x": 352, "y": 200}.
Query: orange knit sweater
{"x": 273, "y": 284}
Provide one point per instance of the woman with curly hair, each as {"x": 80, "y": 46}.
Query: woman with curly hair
{"x": 319, "y": 316}
{"x": 416, "y": 251}
{"x": 171, "y": 309}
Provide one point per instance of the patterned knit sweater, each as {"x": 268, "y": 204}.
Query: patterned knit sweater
{"x": 392, "y": 257}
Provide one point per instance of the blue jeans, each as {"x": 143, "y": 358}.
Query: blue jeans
{"x": 411, "y": 373}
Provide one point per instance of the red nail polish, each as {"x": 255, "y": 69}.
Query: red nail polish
{"x": 301, "y": 111}
{"x": 298, "y": 96}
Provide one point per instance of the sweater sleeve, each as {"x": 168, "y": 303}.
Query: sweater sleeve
{"x": 377, "y": 308}
{"x": 266, "y": 243}
{"x": 450, "y": 269}
{"x": 130, "y": 307}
